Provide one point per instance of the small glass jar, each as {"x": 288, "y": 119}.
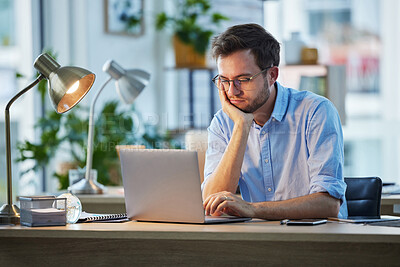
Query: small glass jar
{"x": 74, "y": 207}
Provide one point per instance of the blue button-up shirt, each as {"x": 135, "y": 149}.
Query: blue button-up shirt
{"x": 299, "y": 150}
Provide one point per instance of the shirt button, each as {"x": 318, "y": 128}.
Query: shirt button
{"x": 263, "y": 132}
{"x": 266, "y": 161}
{"x": 269, "y": 189}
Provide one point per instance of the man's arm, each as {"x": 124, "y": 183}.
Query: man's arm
{"x": 226, "y": 175}
{"x": 317, "y": 205}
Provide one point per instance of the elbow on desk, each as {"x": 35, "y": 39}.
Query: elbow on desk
{"x": 332, "y": 207}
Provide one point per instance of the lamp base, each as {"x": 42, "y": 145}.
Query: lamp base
{"x": 9, "y": 214}
{"x": 86, "y": 186}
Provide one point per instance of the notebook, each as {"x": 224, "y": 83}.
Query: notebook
{"x": 163, "y": 185}
{"x": 101, "y": 217}
{"x": 361, "y": 219}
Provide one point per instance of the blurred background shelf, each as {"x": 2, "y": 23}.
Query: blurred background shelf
{"x": 326, "y": 80}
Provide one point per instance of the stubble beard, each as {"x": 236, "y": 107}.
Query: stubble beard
{"x": 261, "y": 98}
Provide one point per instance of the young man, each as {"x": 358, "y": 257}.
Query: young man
{"x": 284, "y": 148}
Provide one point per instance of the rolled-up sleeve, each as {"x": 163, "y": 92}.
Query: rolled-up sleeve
{"x": 217, "y": 143}
{"x": 325, "y": 145}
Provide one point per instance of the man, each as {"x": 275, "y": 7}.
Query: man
{"x": 284, "y": 148}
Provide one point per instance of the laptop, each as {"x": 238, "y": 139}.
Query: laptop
{"x": 163, "y": 185}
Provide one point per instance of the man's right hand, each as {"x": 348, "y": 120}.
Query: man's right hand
{"x": 226, "y": 176}
{"x": 233, "y": 112}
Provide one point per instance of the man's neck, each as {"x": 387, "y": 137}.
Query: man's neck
{"x": 262, "y": 115}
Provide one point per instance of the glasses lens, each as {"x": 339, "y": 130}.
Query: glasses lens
{"x": 218, "y": 84}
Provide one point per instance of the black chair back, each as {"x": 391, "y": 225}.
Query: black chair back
{"x": 363, "y": 196}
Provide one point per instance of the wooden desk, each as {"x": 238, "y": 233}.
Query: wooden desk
{"x": 252, "y": 243}
{"x": 390, "y": 205}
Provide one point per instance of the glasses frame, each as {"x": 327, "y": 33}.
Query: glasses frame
{"x": 237, "y": 82}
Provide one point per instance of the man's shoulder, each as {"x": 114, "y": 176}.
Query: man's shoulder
{"x": 306, "y": 99}
{"x": 305, "y": 96}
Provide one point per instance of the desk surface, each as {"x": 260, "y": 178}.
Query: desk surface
{"x": 255, "y": 242}
{"x": 253, "y": 230}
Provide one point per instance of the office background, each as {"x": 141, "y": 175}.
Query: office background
{"x": 360, "y": 34}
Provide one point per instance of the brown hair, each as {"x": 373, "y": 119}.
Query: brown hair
{"x": 262, "y": 44}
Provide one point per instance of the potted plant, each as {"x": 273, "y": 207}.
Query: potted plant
{"x": 72, "y": 140}
{"x": 193, "y": 25}
{"x": 68, "y": 134}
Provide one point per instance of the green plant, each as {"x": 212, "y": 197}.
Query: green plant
{"x": 68, "y": 134}
{"x": 193, "y": 24}
{"x": 71, "y": 140}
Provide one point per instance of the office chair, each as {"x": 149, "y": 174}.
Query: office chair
{"x": 363, "y": 197}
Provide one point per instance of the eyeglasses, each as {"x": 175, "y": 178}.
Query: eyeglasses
{"x": 242, "y": 84}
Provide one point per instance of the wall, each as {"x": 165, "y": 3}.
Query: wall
{"x": 79, "y": 38}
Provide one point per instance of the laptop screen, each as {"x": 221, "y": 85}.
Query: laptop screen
{"x": 162, "y": 185}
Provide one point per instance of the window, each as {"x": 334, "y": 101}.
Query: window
{"x": 7, "y": 34}
{"x": 353, "y": 33}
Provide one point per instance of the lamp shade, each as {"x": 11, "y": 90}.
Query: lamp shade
{"x": 129, "y": 83}
{"x": 67, "y": 85}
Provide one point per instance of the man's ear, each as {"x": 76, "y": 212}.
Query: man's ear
{"x": 273, "y": 75}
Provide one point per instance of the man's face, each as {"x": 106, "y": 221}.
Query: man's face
{"x": 241, "y": 64}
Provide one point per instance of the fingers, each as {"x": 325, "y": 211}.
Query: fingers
{"x": 232, "y": 111}
{"x": 213, "y": 202}
{"x": 227, "y": 107}
{"x": 224, "y": 99}
{"x": 227, "y": 207}
{"x": 228, "y": 203}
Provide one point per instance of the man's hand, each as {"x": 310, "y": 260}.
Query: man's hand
{"x": 233, "y": 112}
{"x": 316, "y": 205}
{"x": 227, "y": 203}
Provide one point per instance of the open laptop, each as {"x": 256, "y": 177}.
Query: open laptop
{"x": 163, "y": 185}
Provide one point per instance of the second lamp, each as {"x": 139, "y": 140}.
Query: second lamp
{"x": 129, "y": 84}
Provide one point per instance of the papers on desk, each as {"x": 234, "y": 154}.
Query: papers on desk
{"x": 43, "y": 217}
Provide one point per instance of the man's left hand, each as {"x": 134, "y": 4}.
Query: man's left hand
{"x": 227, "y": 203}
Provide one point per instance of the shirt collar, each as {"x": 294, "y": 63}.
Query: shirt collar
{"x": 281, "y": 102}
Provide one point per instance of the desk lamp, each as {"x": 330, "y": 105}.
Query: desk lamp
{"x": 67, "y": 86}
{"x": 129, "y": 84}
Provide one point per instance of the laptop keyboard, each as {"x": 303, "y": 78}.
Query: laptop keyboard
{"x": 209, "y": 217}
{"x": 222, "y": 219}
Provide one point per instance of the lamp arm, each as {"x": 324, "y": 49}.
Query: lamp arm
{"x": 89, "y": 156}
{"x": 8, "y": 139}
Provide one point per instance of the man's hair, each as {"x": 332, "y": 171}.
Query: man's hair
{"x": 261, "y": 43}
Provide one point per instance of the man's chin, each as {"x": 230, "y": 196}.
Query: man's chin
{"x": 238, "y": 104}
{"x": 244, "y": 109}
